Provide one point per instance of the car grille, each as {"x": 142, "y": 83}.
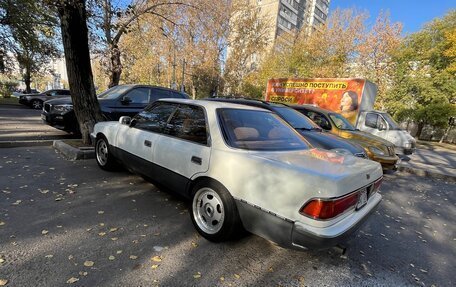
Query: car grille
{"x": 47, "y": 107}
{"x": 361, "y": 154}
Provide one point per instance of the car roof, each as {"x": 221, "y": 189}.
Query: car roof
{"x": 211, "y": 104}
{"x": 250, "y": 102}
{"x": 150, "y": 86}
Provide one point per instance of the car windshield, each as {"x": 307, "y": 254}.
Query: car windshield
{"x": 341, "y": 123}
{"x": 114, "y": 92}
{"x": 258, "y": 130}
{"x": 392, "y": 124}
{"x": 296, "y": 119}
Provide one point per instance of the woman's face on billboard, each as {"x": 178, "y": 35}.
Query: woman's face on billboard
{"x": 346, "y": 102}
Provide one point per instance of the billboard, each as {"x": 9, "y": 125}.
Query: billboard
{"x": 339, "y": 95}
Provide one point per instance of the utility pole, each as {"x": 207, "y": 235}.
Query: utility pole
{"x": 174, "y": 84}
{"x": 183, "y": 76}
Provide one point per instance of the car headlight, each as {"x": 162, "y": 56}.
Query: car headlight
{"x": 63, "y": 108}
{"x": 408, "y": 145}
{"x": 376, "y": 150}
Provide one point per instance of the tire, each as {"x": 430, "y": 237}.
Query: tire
{"x": 36, "y": 104}
{"x": 104, "y": 157}
{"x": 214, "y": 212}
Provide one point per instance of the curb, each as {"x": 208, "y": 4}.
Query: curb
{"x": 72, "y": 153}
{"x": 30, "y": 143}
{"x": 426, "y": 173}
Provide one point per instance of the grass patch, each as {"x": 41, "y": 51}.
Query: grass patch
{"x": 9, "y": 101}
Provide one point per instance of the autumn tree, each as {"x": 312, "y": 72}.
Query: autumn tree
{"x": 248, "y": 39}
{"x": 28, "y": 32}
{"x": 424, "y": 88}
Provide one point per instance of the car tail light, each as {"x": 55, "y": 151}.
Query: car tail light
{"x": 377, "y": 184}
{"x": 326, "y": 209}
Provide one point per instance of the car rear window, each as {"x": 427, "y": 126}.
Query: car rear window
{"x": 258, "y": 130}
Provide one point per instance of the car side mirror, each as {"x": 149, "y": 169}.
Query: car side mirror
{"x": 125, "y": 100}
{"x": 125, "y": 120}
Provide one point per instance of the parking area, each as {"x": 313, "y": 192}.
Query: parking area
{"x": 68, "y": 221}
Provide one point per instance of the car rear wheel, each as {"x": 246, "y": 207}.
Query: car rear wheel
{"x": 105, "y": 159}
{"x": 37, "y": 104}
{"x": 214, "y": 213}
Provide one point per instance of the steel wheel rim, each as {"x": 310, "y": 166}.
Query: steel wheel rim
{"x": 37, "y": 105}
{"x": 208, "y": 210}
{"x": 102, "y": 152}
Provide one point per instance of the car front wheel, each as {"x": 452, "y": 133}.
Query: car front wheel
{"x": 37, "y": 104}
{"x": 214, "y": 213}
{"x": 105, "y": 159}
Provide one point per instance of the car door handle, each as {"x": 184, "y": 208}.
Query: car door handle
{"x": 147, "y": 143}
{"x": 197, "y": 160}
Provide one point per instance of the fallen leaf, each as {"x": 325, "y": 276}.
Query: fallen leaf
{"x": 2, "y": 260}
{"x": 155, "y": 266}
{"x": 3, "y": 282}
{"x": 222, "y": 278}
{"x": 102, "y": 233}
{"x": 2, "y": 223}
{"x": 156, "y": 259}
{"x": 49, "y": 256}
{"x": 88, "y": 263}
{"x": 58, "y": 199}
{"x": 133, "y": 257}
{"x": 83, "y": 273}
{"x": 111, "y": 257}
{"x": 237, "y": 276}
{"x": 72, "y": 280}
{"x": 70, "y": 257}
{"x": 197, "y": 275}
{"x": 114, "y": 238}
{"x": 44, "y": 232}
{"x": 44, "y": 191}
{"x": 100, "y": 211}
{"x": 17, "y": 202}
{"x": 118, "y": 251}
{"x": 101, "y": 224}
{"x": 194, "y": 244}
{"x": 114, "y": 229}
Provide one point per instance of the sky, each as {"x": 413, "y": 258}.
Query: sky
{"x": 412, "y": 13}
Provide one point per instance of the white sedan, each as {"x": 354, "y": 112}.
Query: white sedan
{"x": 243, "y": 168}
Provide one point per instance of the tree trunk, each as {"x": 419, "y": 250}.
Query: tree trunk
{"x": 419, "y": 130}
{"x": 73, "y": 25}
{"x": 27, "y": 80}
{"x": 447, "y": 131}
{"x": 116, "y": 66}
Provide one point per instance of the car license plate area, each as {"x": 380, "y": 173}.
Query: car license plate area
{"x": 362, "y": 199}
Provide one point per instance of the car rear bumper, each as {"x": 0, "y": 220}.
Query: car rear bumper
{"x": 297, "y": 235}
{"x": 309, "y": 237}
{"x": 387, "y": 162}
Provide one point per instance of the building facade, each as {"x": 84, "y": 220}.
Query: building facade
{"x": 290, "y": 16}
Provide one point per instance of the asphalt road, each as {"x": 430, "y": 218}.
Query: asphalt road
{"x": 58, "y": 217}
{"x": 21, "y": 123}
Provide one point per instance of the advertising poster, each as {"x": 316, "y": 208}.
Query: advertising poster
{"x": 339, "y": 95}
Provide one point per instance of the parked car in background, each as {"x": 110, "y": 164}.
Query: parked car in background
{"x": 122, "y": 100}
{"x": 243, "y": 167}
{"x": 308, "y": 129}
{"x": 36, "y": 101}
{"x": 20, "y": 92}
{"x": 377, "y": 149}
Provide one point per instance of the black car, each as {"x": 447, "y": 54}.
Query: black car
{"x": 305, "y": 126}
{"x": 122, "y": 100}
{"x": 36, "y": 101}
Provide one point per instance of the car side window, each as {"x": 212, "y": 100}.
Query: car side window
{"x": 371, "y": 120}
{"x": 154, "y": 118}
{"x": 177, "y": 95}
{"x": 52, "y": 93}
{"x": 319, "y": 119}
{"x": 139, "y": 96}
{"x": 157, "y": 94}
{"x": 188, "y": 123}
{"x": 64, "y": 93}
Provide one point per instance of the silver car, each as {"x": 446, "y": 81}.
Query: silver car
{"x": 244, "y": 168}
{"x": 35, "y": 101}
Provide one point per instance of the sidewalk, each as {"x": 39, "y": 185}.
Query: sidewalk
{"x": 431, "y": 160}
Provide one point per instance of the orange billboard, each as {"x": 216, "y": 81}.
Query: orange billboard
{"x": 339, "y": 95}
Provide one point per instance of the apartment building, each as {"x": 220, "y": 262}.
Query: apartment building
{"x": 290, "y": 16}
